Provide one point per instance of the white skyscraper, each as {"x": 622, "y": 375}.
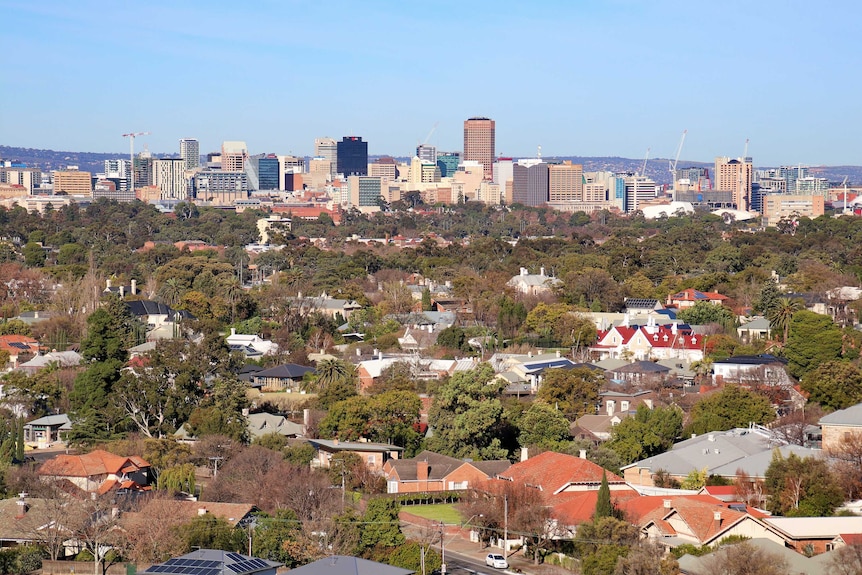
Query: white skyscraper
{"x": 190, "y": 152}
{"x": 327, "y": 148}
{"x": 169, "y": 177}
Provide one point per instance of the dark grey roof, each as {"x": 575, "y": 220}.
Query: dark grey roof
{"x": 641, "y": 303}
{"x": 851, "y": 416}
{"x": 140, "y": 308}
{"x": 213, "y": 562}
{"x": 762, "y": 359}
{"x": 643, "y": 367}
{"x": 285, "y": 371}
{"x": 344, "y": 565}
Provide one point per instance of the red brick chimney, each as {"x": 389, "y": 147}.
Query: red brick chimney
{"x": 422, "y": 470}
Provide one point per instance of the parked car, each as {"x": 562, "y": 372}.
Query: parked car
{"x": 496, "y": 561}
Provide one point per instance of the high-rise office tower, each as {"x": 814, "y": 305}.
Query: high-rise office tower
{"x": 233, "y": 156}
{"x": 735, "y": 175}
{"x": 327, "y": 148}
{"x": 530, "y": 183}
{"x": 190, "y": 152}
{"x": 448, "y": 163}
{"x": 169, "y": 177}
{"x": 427, "y": 153}
{"x": 479, "y": 141}
{"x": 565, "y": 182}
{"x": 352, "y": 156}
{"x": 73, "y": 182}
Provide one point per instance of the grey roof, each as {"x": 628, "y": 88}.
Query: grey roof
{"x": 756, "y": 465}
{"x": 344, "y": 565}
{"x": 61, "y": 358}
{"x": 611, "y": 363}
{"x": 642, "y": 367}
{"x": 51, "y": 420}
{"x": 758, "y": 324}
{"x": 710, "y": 451}
{"x": 851, "y": 416}
{"x": 213, "y": 562}
{"x": 797, "y": 563}
{"x": 641, "y": 303}
{"x": 762, "y": 359}
{"x": 285, "y": 371}
{"x": 333, "y": 445}
{"x": 260, "y": 424}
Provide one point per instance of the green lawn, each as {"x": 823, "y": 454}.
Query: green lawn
{"x": 444, "y": 512}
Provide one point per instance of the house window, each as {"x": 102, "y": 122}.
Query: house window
{"x": 453, "y": 485}
{"x": 391, "y": 487}
{"x": 624, "y": 405}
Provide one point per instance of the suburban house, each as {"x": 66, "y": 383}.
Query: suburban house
{"x": 689, "y": 297}
{"x": 839, "y": 425}
{"x": 375, "y": 455}
{"x": 44, "y": 431}
{"x": 531, "y": 372}
{"x": 98, "y": 472}
{"x": 694, "y": 519}
{"x": 757, "y": 328}
{"x": 260, "y": 424}
{"x": 370, "y": 370}
{"x": 429, "y": 472}
{"x": 286, "y": 377}
{"x": 764, "y": 369}
{"x": 814, "y": 535}
{"x": 650, "y": 341}
{"x": 59, "y": 359}
{"x": 721, "y": 453}
{"x": 347, "y": 565}
{"x": 796, "y": 562}
{"x": 213, "y": 562}
{"x": 162, "y": 322}
{"x": 640, "y": 373}
{"x": 250, "y": 345}
{"x": 613, "y": 407}
{"x": 20, "y": 348}
{"x": 331, "y": 307}
{"x": 554, "y": 473}
{"x": 636, "y": 306}
{"x": 533, "y": 284}
{"x": 22, "y": 519}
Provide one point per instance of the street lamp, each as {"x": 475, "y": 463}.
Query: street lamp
{"x": 478, "y": 534}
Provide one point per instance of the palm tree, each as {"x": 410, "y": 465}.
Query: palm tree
{"x": 171, "y": 291}
{"x": 330, "y": 371}
{"x": 783, "y": 313}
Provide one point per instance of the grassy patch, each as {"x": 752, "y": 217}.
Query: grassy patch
{"x": 445, "y": 512}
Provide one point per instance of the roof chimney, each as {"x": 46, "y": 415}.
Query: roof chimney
{"x": 134, "y": 287}
{"x": 202, "y": 510}
{"x": 583, "y": 453}
{"x": 22, "y": 505}
{"x": 667, "y": 503}
{"x": 523, "y": 271}
{"x": 525, "y": 454}
{"x": 542, "y": 271}
{"x": 422, "y": 469}
{"x": 717, "y": 519}
{"x": 233, "y": 331}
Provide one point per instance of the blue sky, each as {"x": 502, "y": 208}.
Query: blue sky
{"x": 594, "y": 78}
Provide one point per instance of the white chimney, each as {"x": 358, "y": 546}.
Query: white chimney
{"x": 134, "y": 287}
{"x": 529, "y": 354}
{"x": 711, "y": 437}
{"x": 583, "y": 454}
{"x": 558, "y": 353}
{"x": 358, "y": 352}
{"x": 122, "y": 292}
{"x": 523, "y": 271}
{"x": 202, "y": 510}
{"x": 108, "y": 283}
{"x": 667, "y": 503}
{"x": 542, "y": 271}
{"x": 525, "y": 454}
{"x": 379, "y": 354}
{"x": 233, "y": 331}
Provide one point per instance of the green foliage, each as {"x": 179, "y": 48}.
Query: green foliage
{"x": 769, "y": 298}
{"x": 221, "y": 413}
{"x": 814, "y": 339}
{"x": 453, "y": 337}
{"x": 299, "y": 454}
{"x": 648, "y": 433}
{"x": 335, "y": 380}
{"x": 574, "y": 392}
{"x": 93, "y": 417}
{"x": 15, "y": 327}
{"x": 381, "y": 526}
{"x": 34, "y": 255}
{"x": 695, "y": 480}
{"x": 177, "y": 479}
{"x": 110, "y": 332}
{"x": 543, "y": 426}
{"x": 272, "y": 537}
{"x": 602, "y": 542}
{"x": 604, "y": 505}
{"x": 704, "y": 312}
{"x": 409, "y": 556}
{"x": 210, "y": 532}
{"x": 466, "y": 415}
{"x": 801, "y": 487}
{"x": 834, "y": 384}
{"x": 731, "y": 407}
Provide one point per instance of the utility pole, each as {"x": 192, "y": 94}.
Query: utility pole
{"x": 505, "y": 525}
{"x": 442, "y": 549}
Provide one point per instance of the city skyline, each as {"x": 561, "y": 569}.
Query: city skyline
{"x": 578, "y": 79}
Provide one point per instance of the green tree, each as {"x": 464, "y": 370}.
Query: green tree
{"x": 648, "y": 433}
{"x": 801, "y": 487}
{"x": 834, "y": 384}
{"x": 731, "y": 407}
{"x": 781, "y": 315}
{"x": 381, "y": 526}
{"x": 466, "y": 416}
{"x": 34, "y": 255}
{"x": 543, "y": 426}
{"x": 210, "y": 532}
{"x": 704, "y": 312}
{"x": 604, "y": 505}
{"x": 695, "y": 480}
{"x": 110, "y": 332}
{"x": 574, "y": 392}
{"x": 272, "y": 536}
{"x": 335, "y": 380}
{"x": 15, "y": 327}
{"x": 453, "y": 337}
{"x": 814, "y": 339}
{"x": 94, "y": 417}
{"x": 769, "y": 299}
{"x": 221, "y": 413}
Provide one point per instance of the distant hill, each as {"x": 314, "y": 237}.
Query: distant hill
{"x": 657, "y": 168}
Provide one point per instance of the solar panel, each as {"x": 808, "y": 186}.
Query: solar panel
{"x": 235, "y": 567}
{"x": 209, "y": 563}
{"x": 260, "y": 563}
{"x": 172, "y": 561}
{"x": 235, "y": 557}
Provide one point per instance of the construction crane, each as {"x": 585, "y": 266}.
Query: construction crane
{"x": 431, "y": 133}
{"x": 131, "y": 136}
{"x": 745, "y": 153}
{"x": 672, "y": 166}
{"x": 646, "y": 157}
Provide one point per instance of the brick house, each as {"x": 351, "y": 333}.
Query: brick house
{"x": 431, "y": 472}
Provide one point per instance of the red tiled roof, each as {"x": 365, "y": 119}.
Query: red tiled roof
{"x": 692, "y": 294}
{"x": 576, "y": 507}
{"x": 696, "y": 511}
{"x": 552, "y": 471}
{"x": 92, "y": 464}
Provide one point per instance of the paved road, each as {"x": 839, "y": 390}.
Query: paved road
{"x": 459, "y": 564}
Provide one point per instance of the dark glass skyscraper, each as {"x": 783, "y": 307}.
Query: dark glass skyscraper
{"x": 352, "y": 156}
{"x": 267, "y": 173}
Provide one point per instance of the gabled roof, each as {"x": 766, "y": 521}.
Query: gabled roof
{"x": 643, "y": 367}
{"x": 61, "y": 420}
{"x": 762, "y": 359}
{"x": 212, "y": 562}
{"x": 576, "y": 507}
{"x": 439, "y": 466}
{"x": 144, "y": 307}
{"x": 551, "y": 472}
{"x": 641, "y": 303}
{"x": 697, "y": 511}
{"x": 815, "y": 527}
{"x": 692, "y": 294}
{"x": 91, "y": 464}
{"x": 265, "y": 423}
{"x": 285, "y": 371}
{"x": 344, "y": 565}
{"x": 852, "y": 416}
